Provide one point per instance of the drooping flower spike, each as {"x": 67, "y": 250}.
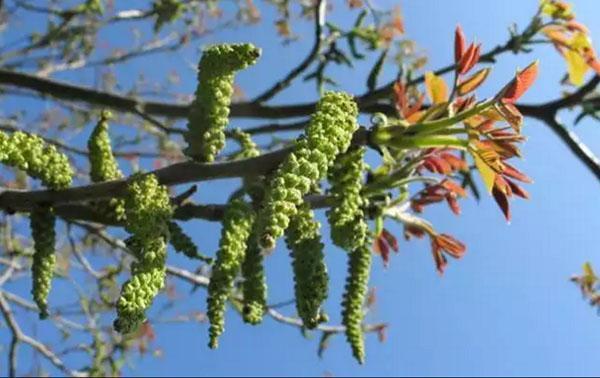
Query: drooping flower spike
{"x": 237, "y": 225}
{"x": 209, "y": 113}
{"x": 311, "y": 282}
{"x": 329, "y": 133}
{"x": 148, "y": 211}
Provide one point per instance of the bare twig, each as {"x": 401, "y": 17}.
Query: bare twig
{"x": 19, "y": 336}
{"x": 320, "y": 10}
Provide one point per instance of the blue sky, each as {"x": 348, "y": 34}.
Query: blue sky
{"x": 507, "y": 308}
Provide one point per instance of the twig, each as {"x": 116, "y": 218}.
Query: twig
{"x": 279, "y": 317}
{"x": 320, "y": 10}
{"x": 19, "y": 336}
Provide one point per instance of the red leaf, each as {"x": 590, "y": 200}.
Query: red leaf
{"x": 521, "y": 83}
{"x": 517, "y": 190}
{"x": 459, "y": 44}
{"x": 453, "y": 203}
{"x": 390, "y": 239}
{"x": 513, "y": 172}
{"x": 502, "y": 201}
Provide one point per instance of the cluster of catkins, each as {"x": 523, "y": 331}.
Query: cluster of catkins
{"x": 323, "y": 151}
{"x": 249, "y": 229}
{"x": 37, "y": 159}
{"x": 328, "y": 134}
{"x": 209, "y": 114}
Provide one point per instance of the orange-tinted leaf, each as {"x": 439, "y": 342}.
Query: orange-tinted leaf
{"x": 450, "y": 245}
{"x": 469, "y": 59}
{"x": 577, "y": 26}
{"x": 459, "y": 44}
{"x": 437, "y": 90}
{"x": 517, "y": 190}
{"x": 453, "y": 203}
{"x": 502, "y": 201}
{"x": 473, "y": 82}
{"x": 521, "y": 83}
{"x": 390, "y": 239}
{"x": 513, "y": 172}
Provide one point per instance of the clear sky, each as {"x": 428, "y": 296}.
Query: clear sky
{"x": 507, "y": 308}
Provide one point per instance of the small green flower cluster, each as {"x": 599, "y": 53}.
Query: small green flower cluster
{"x": 42, "y": 269}
{"x": 237, "y": 226}
{"x": 311, "y": 282}
{"x": 148, "y": 211}
{"x": 328, "y": 134}
{"x": 32, "y": 155}
{"x": 348, "y": 229}
{"x": 104, "y": 166}
{"x": 359, "y": 267}
{"x": 254, "y": 284}
{"x": 248, "y": 149}
{"x": 209, "y": 114}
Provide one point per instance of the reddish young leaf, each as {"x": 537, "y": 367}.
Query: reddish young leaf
{"x": 469, "y": 59}
{"x": 513, "y": 172}
{"x": 453, "y": 203}
{"x": 390, "y": 239}
{"x": 459, "y": 44}
{"x": 473, "y": 82}
{"x": 450, "y": 245}
{"x": 521, "y": 83}
{"x": 517, "y": 190}
{"x": 502, "y": 201}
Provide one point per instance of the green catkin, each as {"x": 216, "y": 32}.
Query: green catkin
{"x": 329, "y": 133}
{"x": 209, "y": 114}
{"x": 254, "y": 284}
{"x": 348, "y": 230}
{"x": 248, "y": 149}
{"x": 237, "y": 225}
{"x": 311, "y": 282}
{"x": 359, "y": 266}
{"x": 148, "y": 210}
{"x": 104, "y": 166}
{"x": 182, "y": 243}
{"x": 42, "y": 269}
{"x": 32, "y": 155}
